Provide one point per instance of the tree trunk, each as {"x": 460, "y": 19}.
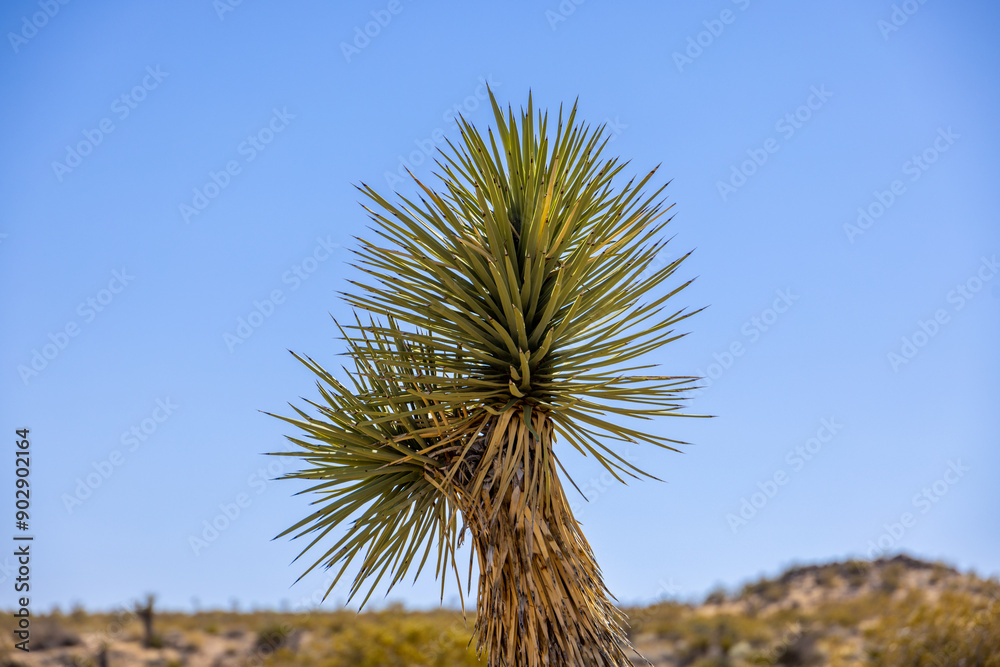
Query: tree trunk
{"x": 541, "y": 600}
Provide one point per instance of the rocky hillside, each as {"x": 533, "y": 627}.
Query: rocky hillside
{"x": 898, "y": 611}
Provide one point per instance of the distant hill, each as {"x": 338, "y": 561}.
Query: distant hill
{"x": 898, "y": 611}
{"x": 809, "y": 586}
{"x": 892, "y": 611}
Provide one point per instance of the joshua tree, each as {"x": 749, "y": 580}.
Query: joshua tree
{"x": 505, "y": 309}
{"x": 145, "y": 613}
{"x": 102, "y": 655}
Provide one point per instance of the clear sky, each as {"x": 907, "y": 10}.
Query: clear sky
{"x": 178, "y": 203}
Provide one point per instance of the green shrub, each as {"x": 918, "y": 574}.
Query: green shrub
{"x": 958, "y": 629}
{"x": 404, "y": 642}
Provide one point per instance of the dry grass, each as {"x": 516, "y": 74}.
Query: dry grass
{"x": 845, "y": 615}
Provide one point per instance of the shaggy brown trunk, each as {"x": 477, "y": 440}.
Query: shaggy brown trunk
{"x": 541, "y": 599}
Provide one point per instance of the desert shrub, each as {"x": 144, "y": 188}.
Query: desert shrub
{"x": 769, "y": 590}
{"x": 716, "y": 596}
{"x": 939, "y": 572}
{"x": 826, "y": 577}
{"x": 662, "y": 620}
{"x": 855, "y": 572}
{"x": 892, "y": 577}
{"x": 392, "y": 639}
{"x": 49, "y": 633}
{"x": 959, "y": 629}
{"x": 799, "y": 651}
{"x": 191, "y": 642}
{"x": 272, "y": 637}
{"x": 851, "y": 611}
{"x": 714, "y": 661}
{"x": 714, "y": 638}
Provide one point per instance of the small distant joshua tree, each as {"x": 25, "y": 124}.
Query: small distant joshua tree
{"x": 102, "y": 655}
{"x": 145, "y": 614}
{"x": 505, "y": 309}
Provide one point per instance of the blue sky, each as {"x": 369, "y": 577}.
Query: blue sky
{"x": 178, "y": 200}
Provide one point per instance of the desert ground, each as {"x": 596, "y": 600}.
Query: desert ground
{"x": 898, "y": 611}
